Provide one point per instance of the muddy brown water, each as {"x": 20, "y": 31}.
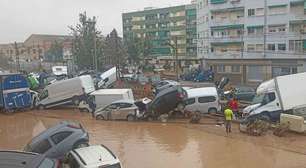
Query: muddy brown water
{"x": 158, "y": 145}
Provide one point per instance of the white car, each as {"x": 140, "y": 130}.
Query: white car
{"x": 96, "y": 156}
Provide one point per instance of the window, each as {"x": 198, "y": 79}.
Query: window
{"x": 296, "y": 45}
{"x": 42, "y": 146}
{"x": 59, "y": 137}
{"x": 259, "y": 47}
{"x": 260, "y": 11}
{"x": 251, "y": 30}
{"x": 190, "y": 101}
{"x": 125, "y": 105}
{"x": 251, "y": 47}
{"x": 281, "y": 47}
{"x": 251, "y": 12}
{"x": 271, "y": 47}
{"x": 279, "y": 71}
{"x": 270, "y": 97}
{"x": 221, "y": 68}
{"x": 255, "y": 73}
{"x": 236, "y": 68}
{"x": 43, "y": 95}
{"x": 276, "y": 10}
{"x": 207, "y": 99}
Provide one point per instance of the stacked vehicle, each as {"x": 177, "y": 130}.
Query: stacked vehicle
{"x": 14, "y": 93}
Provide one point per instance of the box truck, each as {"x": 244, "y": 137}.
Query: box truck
{"x": 104, "y": 97}
{"x": 279, "y": 95}
{"x": 66, "y": 91}
{"x": 108, "y": 78}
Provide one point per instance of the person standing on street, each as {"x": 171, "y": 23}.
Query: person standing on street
{"x": 233, "y": 105}
{"x": 228, "y": 114}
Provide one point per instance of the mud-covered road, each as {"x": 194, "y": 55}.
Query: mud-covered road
{"x": 159, "y": 145}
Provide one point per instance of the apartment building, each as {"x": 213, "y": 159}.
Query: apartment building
{"x": 34, "y": 47}
{"x": 163, "y": 26}
{"x": 252, "y": 40}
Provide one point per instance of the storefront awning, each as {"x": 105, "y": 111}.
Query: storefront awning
{"x": 238, "y": 26}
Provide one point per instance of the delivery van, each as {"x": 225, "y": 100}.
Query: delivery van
{"x": 65, "y": 92}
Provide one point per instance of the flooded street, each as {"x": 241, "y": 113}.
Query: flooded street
{"x": 157, "y": 145}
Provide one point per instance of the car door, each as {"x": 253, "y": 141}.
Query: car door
{"x": 59, "y": 141}
{"x": 205, "y": 103}
{"x": 115, "y": 111}
{"x": 124, "y": 110}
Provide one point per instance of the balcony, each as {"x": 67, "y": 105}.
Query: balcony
{"x": 225, "y": 4}
{"x": 255, "y": 55}
{"x": 225, "y": 22}
{"x": 226, "y": 39}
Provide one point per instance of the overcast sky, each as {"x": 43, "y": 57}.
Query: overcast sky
{"x": 20, "y": 18}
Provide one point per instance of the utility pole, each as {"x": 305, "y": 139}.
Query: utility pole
{"x": 265, "y": 28}
{"x": 17, "y": 57}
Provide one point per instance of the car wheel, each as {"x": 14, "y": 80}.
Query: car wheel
{"x": 80, "y": 145}
{"x": 131, "y": 118}
{"x": 75, "y": 101}
{"x": 41, "y": 107}
{"x": 150, "y": 118}
{"x": 99, "y": 117}
{"x": 212, "y": 111}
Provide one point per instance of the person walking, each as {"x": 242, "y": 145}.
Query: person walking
{"x": 228, "y": 114}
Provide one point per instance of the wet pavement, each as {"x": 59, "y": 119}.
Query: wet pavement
{"x": 159, "y": 145}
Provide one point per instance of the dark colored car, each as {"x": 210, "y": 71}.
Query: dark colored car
{"x": 58, "y": 140}
{"x": 17, "y": 159}
{"x": 243, "y": 93}
{"x": 167, "y": 100}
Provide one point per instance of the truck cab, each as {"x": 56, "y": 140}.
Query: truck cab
{"x": 266, "y": 103}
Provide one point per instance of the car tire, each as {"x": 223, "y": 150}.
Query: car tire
{"x": 75, "y": 101}
{"x": 212, "y": 111}
{"x": 41, "y": 107}
{"x": 100, "y": 117}
{"x": 130, "y": 118}
{"x": 150, "y": 118}
{"x": 265, "y": 117}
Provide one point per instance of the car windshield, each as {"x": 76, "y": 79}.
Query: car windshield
{"x": 258, "y": 99}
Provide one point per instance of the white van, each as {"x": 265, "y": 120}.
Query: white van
{"x": 204, "y": 100}
{"x": 65, "y": 91}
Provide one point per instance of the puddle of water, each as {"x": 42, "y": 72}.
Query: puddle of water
{"x": 155, "y": 145}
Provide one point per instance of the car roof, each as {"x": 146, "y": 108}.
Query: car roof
{"x": 18, "y": 159}
{"x": 110, "y": 91}
{"x": 93, "y": 155}
{"x": 124, "y": 101}
{"x": 205, "y": 91}
{"x": 49, "y": 131}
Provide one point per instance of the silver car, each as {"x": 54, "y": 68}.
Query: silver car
{"x": 58, "y": 140}
{"x": 119, "y": 110}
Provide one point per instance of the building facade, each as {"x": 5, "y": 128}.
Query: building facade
{"x": 252, "y": 40}
{"x": 164, "y": 26}
{"x": 34, "y": 47}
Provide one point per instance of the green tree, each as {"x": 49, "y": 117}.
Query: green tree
{"x": 86, "y": 39}
{"x": 138, "y": 48}
{"x": 115, "y": 53}
{"x": 55, "y": 53}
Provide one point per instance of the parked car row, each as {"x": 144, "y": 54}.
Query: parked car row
{"x": 65, "y": 145}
